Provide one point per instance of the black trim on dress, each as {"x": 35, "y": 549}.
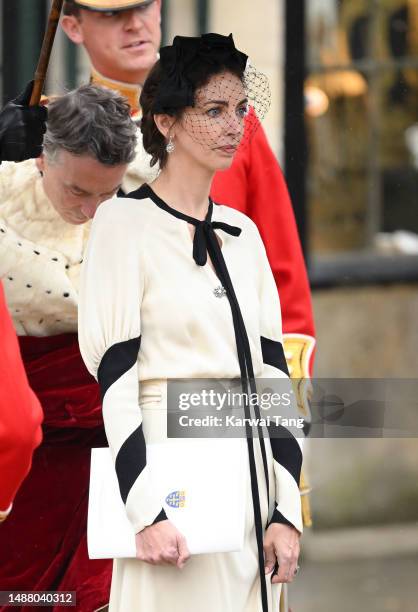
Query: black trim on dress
{"x": 130, "y": 461}
{"x": 117, "y": 360}
{"x": 273, "y": 354}
{"x": 161, "y": 517}
{"x": 131, "y": 458}
{"x": 286, "y": 451}
{"x": 277, "y": 517}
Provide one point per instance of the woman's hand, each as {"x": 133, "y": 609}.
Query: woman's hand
{"x": 162, "y": 544}
{"x": 281, "y": 543}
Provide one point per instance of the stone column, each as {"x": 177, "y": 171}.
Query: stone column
{"x": 258, "y": 29}
{"x": 181, "y": 19}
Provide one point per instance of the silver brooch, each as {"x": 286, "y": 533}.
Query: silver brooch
{"x": 219, "y": 291}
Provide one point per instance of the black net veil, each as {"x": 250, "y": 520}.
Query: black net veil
{"x": 222, "y": 97}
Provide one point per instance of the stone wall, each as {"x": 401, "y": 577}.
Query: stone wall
{"x": 258, "y": 29}
{"x": 365, "y": 332}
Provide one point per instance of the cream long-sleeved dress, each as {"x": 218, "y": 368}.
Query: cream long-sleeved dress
{"x": 151, "y": 309}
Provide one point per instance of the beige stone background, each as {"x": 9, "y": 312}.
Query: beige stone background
{"x": 261, "y": 39}
{"x": 259, "y": 31}
{"x": 365, "y": 332}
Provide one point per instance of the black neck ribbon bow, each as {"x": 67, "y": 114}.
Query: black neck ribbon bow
{"x": 205, "y": 238}
{"x": 185, "y": 55}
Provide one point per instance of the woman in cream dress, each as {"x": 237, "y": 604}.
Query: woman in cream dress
{"x": 175, "y": 286}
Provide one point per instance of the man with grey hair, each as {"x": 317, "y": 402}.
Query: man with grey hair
{"x": 89, "y": 142}
{"x": 87, "y": 146}
{"x": 45, "y": 208}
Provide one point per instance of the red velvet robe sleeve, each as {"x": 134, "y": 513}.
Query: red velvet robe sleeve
{"x": 20, "y": 413}
{"x": 255, "y": 185}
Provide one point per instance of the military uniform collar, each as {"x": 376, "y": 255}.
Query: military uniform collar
{"x": 127, "y": 90}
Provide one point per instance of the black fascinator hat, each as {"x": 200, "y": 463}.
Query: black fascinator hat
{"x": 187, "y": 59}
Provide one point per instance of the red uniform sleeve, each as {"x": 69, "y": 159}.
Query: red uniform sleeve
{"x": 255, "y": 185}
{"x": 20, "y": 413}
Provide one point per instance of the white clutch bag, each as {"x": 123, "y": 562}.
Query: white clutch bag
{"x": 203, "y": 485}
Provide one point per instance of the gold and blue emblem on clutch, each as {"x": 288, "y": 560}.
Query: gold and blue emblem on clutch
{"x": 176, "y": 499}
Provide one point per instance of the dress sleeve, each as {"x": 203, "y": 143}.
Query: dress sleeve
{"x": 111, "y": 290}
{"x": 286, "y": 442}
{"x": 20, "y": 414}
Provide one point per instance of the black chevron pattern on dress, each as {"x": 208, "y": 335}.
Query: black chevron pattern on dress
{"x": 117, "y": 360}
{"x": 273, "y": 354}
{"x": 286, "y": 451}
{"x": 161, "y": 517}
{"x": 277, "y": 517}
{"x": 284, "y": 445}
{"x": 131, "y": 458}
{"x": 130, "y": 461}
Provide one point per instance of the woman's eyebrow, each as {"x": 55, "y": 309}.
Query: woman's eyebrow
{"x": 223, "y": 102}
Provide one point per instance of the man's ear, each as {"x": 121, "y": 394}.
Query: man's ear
{"x": 71, "y": 26}
{"x": 164, "y": 123}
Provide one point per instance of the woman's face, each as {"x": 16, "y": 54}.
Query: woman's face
{"x": 211, "y": 131}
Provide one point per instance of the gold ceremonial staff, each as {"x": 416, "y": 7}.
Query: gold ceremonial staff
{"x": 42, "y": 67}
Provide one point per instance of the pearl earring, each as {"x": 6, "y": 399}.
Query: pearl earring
{"x": 170, "y": 147}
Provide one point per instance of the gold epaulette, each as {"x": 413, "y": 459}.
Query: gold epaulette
{"x": 298, "y": 349}
{"x": 305, "y": 489}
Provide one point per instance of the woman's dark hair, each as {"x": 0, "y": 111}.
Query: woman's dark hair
{"x": 154, "y": 142}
